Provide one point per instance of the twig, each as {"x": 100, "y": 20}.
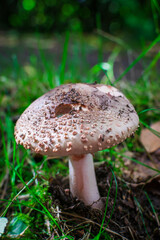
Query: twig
{"x": 112, "y": 38}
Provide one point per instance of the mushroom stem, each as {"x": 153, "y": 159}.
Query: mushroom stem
{"x": 82, "y": 178}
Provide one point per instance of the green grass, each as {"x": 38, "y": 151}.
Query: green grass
{"x": 24, "y": 177}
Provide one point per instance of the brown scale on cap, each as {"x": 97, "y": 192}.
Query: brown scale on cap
{"x": 68, "y": 149}
{"x": 74, "y": 133}
{"x": 91, "y": 117}
{"x": 83, "y": 138}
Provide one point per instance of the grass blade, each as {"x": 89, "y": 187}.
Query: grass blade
{"x": 155, "y": 214}
{"x": 138, "y": 59}
{"x": 151, "y": 129}
{"x": 64, "y": 58}
{"x": 141, "y": 214}
{"x": 134, "y": 160}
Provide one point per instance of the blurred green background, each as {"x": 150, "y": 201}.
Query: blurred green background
{"x": 133, "y": 19}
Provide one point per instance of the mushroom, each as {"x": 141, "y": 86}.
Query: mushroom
{"x": 77, "y": 120}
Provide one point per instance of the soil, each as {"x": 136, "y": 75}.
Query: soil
{"x": 132, "y": 209}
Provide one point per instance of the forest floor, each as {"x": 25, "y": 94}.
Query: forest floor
{"x": 35, "y": 202}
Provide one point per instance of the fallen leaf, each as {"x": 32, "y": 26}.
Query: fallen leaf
{"x": 17, "y": 227}
{"x": 150, "y": 141}
{"x": 3, "y": 223}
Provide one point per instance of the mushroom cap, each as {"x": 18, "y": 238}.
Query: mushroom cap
{"x": 75, "y": 119}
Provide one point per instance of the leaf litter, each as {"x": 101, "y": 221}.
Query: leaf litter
{"x": 149, "y": 138}
{"x": 133, "y": 216}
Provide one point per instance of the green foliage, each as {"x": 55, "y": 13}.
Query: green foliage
{"x": 135, "y": 18}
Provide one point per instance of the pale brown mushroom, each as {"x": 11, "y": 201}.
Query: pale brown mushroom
{"x": 77, "y": 120}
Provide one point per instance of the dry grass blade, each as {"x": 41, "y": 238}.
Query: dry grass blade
{"x": 17, "y": 195}
{"x": 5, "y": 183}
{"x": 130, "y": 230}
{"x": 91, "y": 221}
{"x": 77, "y": 226}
